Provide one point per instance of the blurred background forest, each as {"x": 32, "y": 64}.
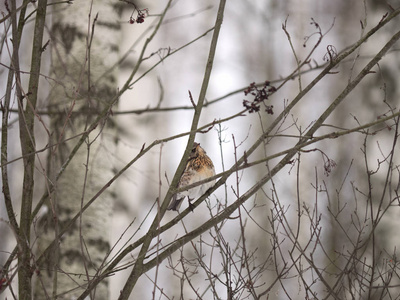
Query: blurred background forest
{"x": 308, "y": 204}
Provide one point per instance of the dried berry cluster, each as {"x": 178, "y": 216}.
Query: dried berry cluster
{"x": 260, "y": 95}
{"x": 141, "y": 14}
{"x": 329, "y": 165}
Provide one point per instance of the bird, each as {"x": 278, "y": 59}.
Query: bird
{"x": 198, "y": 167}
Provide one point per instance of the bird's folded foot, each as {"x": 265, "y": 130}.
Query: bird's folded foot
{"x": 191, "y": 206}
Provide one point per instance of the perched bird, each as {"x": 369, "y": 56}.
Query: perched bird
{"x": 198, "y": 167}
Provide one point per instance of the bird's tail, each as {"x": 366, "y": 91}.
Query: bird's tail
{"x": 175, "y": 203}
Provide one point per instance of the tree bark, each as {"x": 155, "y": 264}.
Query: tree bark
{"x": 85, "y": 38}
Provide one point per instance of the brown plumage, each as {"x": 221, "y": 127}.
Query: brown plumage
{"x": 198, "y": 167}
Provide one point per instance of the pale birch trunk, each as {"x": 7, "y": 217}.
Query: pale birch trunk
{"x": 85, "y": 86}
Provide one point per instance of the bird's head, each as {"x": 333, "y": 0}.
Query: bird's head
{"x": 196, "y": 151}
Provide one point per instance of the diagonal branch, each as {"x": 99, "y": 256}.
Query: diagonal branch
{"x": 138, "y": 267}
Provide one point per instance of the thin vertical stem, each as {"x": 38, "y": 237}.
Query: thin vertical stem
{"x": 27, "y": 140}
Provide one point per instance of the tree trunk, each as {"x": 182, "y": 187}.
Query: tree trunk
{"x": 85, "y": 43}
